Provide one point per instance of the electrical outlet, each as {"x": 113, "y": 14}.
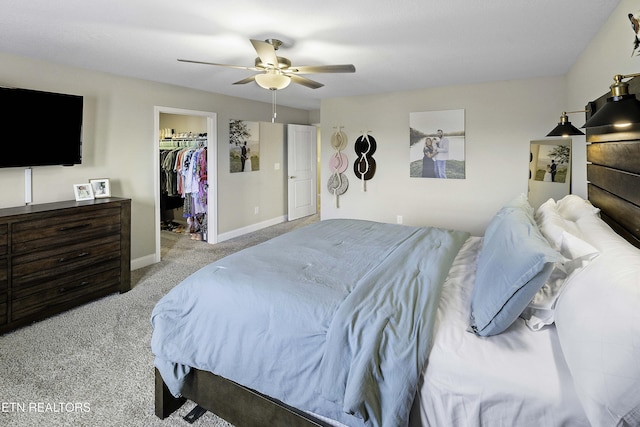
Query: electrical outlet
{"x": 399, "y": 219}
{"x": 256, "y": 210}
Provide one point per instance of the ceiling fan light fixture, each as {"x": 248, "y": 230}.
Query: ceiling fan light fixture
{"x": 276, "y": 71}
{"x": 273, "y": 80}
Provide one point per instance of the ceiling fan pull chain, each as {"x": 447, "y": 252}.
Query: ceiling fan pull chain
{"x": 273, "y": 105}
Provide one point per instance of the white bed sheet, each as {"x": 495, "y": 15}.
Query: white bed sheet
{"x": 516, "y": 378}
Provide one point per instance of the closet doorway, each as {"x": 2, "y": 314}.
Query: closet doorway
{"x": 185, "y": 205}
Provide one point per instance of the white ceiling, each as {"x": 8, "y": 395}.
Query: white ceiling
{"x": 395, "y": 45}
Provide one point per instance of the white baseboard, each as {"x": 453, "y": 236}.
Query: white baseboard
{"x": 143, "y": 261}
{"x": 251, "y": 228}
{"x": 151, "y": 259}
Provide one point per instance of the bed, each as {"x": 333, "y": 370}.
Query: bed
{"x": 358, "y": 323}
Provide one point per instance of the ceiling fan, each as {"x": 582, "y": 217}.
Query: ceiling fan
{"x": 277, "y": 71}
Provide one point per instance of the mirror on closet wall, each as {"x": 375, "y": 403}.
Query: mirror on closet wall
{"x": 549, "y": 170}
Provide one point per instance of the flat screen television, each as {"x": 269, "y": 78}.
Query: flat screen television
{"x": 45, "y": 128}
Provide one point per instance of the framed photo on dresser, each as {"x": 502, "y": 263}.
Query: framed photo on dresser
{"x": 83, "y": 192}
{"x": 101, "y": 187}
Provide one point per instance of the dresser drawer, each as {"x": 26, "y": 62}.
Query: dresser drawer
{"x": 62, "y": 282}
{"x": 3, "y": 308}
{"x": 4, "y": 275}
{"x": 58, "y": 229}
{"x": 3, "y": 239}
{"x": 63, "y": 260}
{"x": 61, "y": 293}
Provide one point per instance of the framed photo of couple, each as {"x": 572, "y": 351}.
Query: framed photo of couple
{"x": 437, "y": 144}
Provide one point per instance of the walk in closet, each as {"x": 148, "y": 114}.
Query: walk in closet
{"x": 183, "y": 175}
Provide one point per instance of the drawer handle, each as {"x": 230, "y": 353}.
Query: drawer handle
{"x": 73, "y": 227}
{"x": 81, "y": 285}
{"x": 80, "y": 255}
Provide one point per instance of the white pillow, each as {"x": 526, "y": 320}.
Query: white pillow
{"x": 597, "y": 317}
{"x": 552, "y": 224}
{"x": 573, "y": 207}
{"x": 577, "y": 253}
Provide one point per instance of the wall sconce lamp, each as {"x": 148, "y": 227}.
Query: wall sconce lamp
{"x": 621, "y": 109}
{"x": 565, "y": 128}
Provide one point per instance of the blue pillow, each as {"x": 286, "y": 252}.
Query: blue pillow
{"x": 514, "y": 263}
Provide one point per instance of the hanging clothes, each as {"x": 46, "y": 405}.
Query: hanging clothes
{"x": 184, "y": 176}
{"x": 169, "y": 196}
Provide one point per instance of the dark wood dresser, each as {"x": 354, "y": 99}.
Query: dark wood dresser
{"x": 56, "y": 256}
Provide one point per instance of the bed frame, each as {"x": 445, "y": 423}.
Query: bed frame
{"x": 613, "y": 175}
{"x": 613, "y": 172}
{"x": 233, "y": 402}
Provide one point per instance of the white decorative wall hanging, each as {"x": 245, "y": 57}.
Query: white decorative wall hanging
{"x": 338, "y": 182}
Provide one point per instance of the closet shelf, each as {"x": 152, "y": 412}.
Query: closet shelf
{"x": 183, "y": 142}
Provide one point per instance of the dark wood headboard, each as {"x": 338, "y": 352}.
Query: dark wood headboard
{"x": 613, "y": 172}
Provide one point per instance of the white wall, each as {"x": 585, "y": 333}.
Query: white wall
{"x": 500, "y": 120}
{"x": 118, "y": 142}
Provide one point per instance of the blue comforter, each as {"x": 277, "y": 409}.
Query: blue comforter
{"x": 334, "y": 318}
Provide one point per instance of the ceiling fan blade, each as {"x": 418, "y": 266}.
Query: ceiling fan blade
{"x": 245, "y": 81}
{"x": 221, "y": 65}
{"x": 266, "y": 52}
{"x": 305, "y": 81}
{"x": 312, "y": 69}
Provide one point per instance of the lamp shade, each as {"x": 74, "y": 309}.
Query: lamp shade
{"x": 565, "y": 129}
{"x": 618, "y": 111}
{"x": 273, "y": 80}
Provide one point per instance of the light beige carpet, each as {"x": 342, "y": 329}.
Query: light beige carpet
{"x": 93, "y": 366}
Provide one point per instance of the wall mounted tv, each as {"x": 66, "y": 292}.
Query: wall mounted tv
{"x": 45, "y": 127}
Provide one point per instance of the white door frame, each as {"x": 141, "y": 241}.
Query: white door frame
{"x": 212, "y": 170}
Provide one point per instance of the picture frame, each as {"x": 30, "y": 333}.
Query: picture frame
{"x": 101, "y": 187}
{"x": 244, "y": 146}
{"x": 83, "y": 192}
{"x": 549, "y": 170}
{"x": 437, "y": 144}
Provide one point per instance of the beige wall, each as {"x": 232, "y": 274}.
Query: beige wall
{"x": 500, "y": 119}
{"x": 118, "y": 142}
{"x": 608, "y": 54}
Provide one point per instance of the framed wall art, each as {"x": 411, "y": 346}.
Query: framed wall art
{"x": 244, "y": 146}
{"x": 549, "y": 170}
{"x": 437, "y": 144}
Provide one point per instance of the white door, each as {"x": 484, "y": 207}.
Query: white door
{"x": 301, "y": 170}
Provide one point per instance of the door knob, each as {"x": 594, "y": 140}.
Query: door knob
{"x": 291, "y": 177}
